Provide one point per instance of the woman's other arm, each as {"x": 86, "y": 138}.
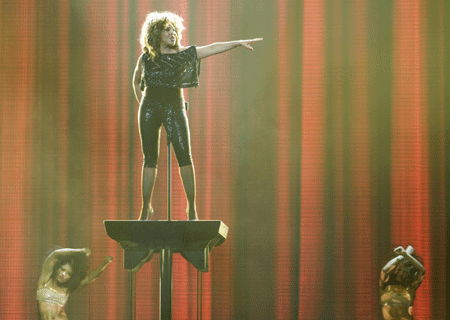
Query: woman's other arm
{"x": 408, "y": 255}
{"x": 219, "y": 47}
{"x": 95, "y": 273}
{"x": 137, "y": 80}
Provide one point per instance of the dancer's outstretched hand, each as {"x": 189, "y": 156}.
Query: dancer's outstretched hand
{"x": 248, "y": 43}
{"x": 410, "y": 250}
{"x": 399, "y": 250}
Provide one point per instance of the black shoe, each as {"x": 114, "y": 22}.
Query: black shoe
{"x": 149, "y": 214}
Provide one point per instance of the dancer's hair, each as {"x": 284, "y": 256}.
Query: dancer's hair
{"x": 79, "y": 264}
{"x": 152, "y": 28}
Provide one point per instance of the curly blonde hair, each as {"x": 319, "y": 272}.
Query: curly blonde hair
{"x": 154, "y": 24}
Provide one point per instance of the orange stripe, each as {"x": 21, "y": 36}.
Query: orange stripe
{"x": 338, "y": 158}
{"x": 363, "y": 248}
{"x": 410, "y": 163}
{"x": 312, "y": 160}
{"x": 16, "y": 143}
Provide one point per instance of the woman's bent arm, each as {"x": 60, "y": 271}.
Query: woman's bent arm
{"x": 137, "y": 80}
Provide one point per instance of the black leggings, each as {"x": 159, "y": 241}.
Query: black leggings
{"x": 164, "y": 106}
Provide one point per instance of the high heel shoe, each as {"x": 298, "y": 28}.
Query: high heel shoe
{"x": 148, "y": 215}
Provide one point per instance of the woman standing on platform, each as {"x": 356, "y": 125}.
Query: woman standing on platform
{"x": 64, "y": 271}
{"x": 162, "y": 71}
{"x": 399, "y": 280}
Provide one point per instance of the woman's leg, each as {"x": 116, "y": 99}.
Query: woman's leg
{"x": 148, "y": 183}
{"x": 180, "y": 139}
{"x": 149, "y": 127}
{"x": 187, "y": 174}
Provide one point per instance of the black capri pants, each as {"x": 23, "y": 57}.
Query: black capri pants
{"x": 164, "y": 106}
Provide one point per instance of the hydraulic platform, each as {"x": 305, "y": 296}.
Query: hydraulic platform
{"x": 194, "y": 240}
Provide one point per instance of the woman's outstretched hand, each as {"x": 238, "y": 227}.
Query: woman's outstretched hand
{"x": 399, "y": 250}
{"x": 219, "y": 47}
{"x": 248, "y": 43}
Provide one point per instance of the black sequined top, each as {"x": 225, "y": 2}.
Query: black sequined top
{"x": 176, "y": 70}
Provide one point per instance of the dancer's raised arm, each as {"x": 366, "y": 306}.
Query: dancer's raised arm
{"x": 95, "y": 273}
{"x": 388, "y": 268}
{"x": 408, "y": 255}
{"x": 219, "y": 47}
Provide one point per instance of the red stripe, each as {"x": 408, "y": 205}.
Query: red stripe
{"x": 16, "y": 143}
{"x": 439, "y": 203}
{"x": 215, "y": 200}
{"x": 338, "y": 158}
{"x": 104, "y": 146}
{"x": 410, "y": 163}
{"x": 312, "y": 160}
{"x": 363, "y": 248}
{"x": 283, "y": 222}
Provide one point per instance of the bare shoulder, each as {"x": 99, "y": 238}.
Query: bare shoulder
{"x": 186, "y": 48}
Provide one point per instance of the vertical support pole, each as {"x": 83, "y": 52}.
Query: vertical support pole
{"x": 165, "y": 298}
{"x": 169, "y": 182}
{"x": 199, "y": 295}
{"x": 165, "y": 291}
{"x": 132, "y": 295}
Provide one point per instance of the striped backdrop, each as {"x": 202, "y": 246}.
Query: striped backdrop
{"x": 322, "y": 150}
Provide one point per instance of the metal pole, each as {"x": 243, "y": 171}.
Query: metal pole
{"x": 165, "y": 298}
{"x": 165, "y": 290}
{"x": 199, "y": 295}
{"x": 132, "y": 282}
{"x": 169, "y": 182}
